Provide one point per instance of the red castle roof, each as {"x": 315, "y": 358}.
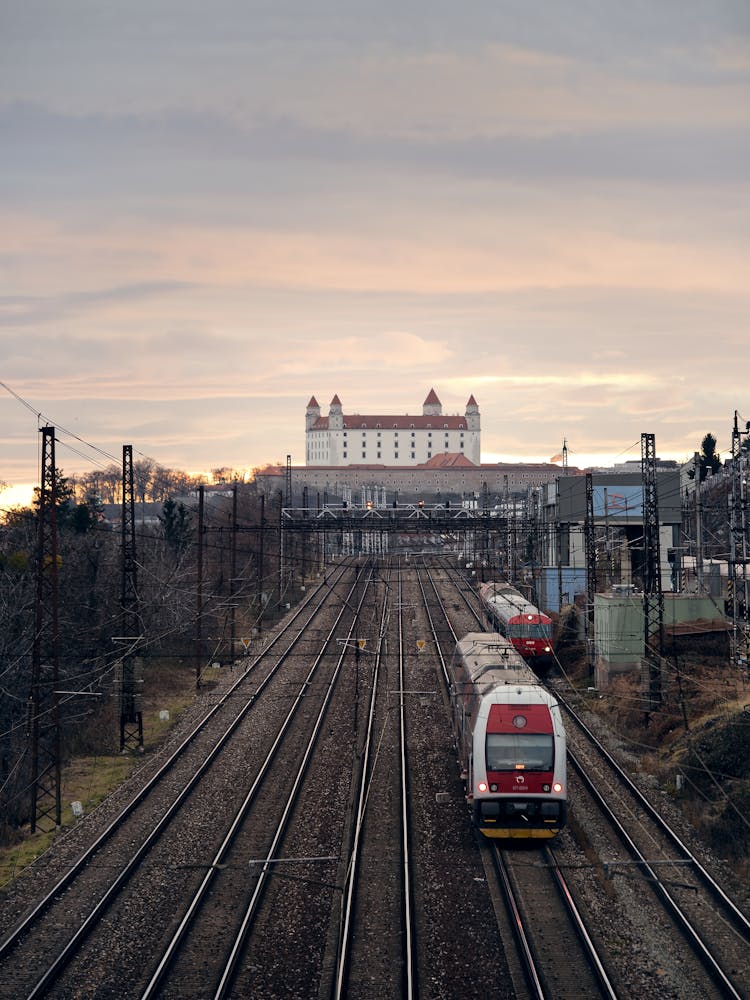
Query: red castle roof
{"x": 359, "y": 421}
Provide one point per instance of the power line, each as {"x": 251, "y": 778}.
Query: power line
{"x": 42, "y": 417}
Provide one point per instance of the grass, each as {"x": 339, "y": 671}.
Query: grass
{"x": 169, "y": 685}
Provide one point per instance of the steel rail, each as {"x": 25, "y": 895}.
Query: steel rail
{"x": 583, "y": 935}
{"x": 410, "y": 968}
{"x": 349, "y": 890}
{"x": 219, "y": 858}
{"x": 740, "y": 921}
{"x": 83, "y": 860}
{"x": 525, "y": 952}
{"x": 699, "y": 946}
{"x": 241, "y": 936}
{"x": 462, "y": 585}
{"x": 84, "y": 929}
{"x": 431, "y": 622}
{"x": 565, "y": 893}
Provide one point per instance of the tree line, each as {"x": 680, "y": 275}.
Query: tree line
{"x": 90, "y": 613}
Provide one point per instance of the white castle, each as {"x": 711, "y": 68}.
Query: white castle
{"x": 354, "y": 439}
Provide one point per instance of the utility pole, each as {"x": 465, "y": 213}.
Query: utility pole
{"x": 738, "y": 554}
{"x": 130, "y": 668}
{"x": 303, "y": 549}
{"x": 590, "y": 547}
{"x": 698, "y": 524}
{"x": 288, "y": 482}
{"x": 485, "y": 529}
{"x": 44, "y": 702}
{"x": 653, "y": 598}
{"x": 282, "y": 566}
{"x": 233, "y": 578}
{"x": 261, "y": 546}
{"x": 199, "y": 590}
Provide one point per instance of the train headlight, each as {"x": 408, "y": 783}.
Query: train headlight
{"x": 493, "y": 788}
{"x": 482, "y": 786}
{"x": 547, "y": 649}
{"x": 557, "y": 787}
{"x": 545, "y": 788}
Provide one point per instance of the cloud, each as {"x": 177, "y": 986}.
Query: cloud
{"x": 210, "y": 214}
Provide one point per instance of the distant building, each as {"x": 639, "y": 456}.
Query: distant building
{"x": 341, "y": 439}
{"x": 444, "y": 477}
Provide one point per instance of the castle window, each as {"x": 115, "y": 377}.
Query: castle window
{"x": 344, "y": 454}
{"x": 378, "y": 454}
{"x": 377, "y": 425}
{"x": 395, "y": 454}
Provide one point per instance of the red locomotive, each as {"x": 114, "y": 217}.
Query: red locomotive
{"x": 510, "y": 740}
{"x": 519, "y": 620}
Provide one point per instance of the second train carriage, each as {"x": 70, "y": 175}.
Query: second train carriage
{"x": 528, "y": 628}
{"x": 510, "y": 739}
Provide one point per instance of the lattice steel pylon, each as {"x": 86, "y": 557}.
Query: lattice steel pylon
{"x": 653, "y": 597}
{"x": 738, "y": 555}
{"x": 288, "y": 482}
{"x": 130, "y": 668}
{"x": 590, "y": 547}
{"x": 44, "y": 701}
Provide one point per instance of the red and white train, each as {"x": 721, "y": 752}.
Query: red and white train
{"x": 510, "y": 740}
{"x": 529, "y": 629}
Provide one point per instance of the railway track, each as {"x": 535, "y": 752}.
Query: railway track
{"x": 221, "y": 898}
{"x": 37, "y": 950}
{"x": 642, "y": 845}
{"x": 310, "y": 838}
{"x": 145, "y": 913}
{"x": 375, "y": 953}
{"x": 557, "y": 955}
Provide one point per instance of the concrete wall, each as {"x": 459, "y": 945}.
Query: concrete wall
{"x": 409, "y": 483}
{"x": 618, "y": 628}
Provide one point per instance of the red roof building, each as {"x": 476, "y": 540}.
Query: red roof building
{"x": 343, "y": 439}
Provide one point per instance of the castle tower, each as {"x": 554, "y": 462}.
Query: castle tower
{"x": 473, "y": 427}
{"x": 335, "y": 415}
{"x": 472, "y": 414}
{"x": 312, "y": 413}
{"x": 432, "y": 407}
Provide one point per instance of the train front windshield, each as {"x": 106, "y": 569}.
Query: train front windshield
{"x": 523, "y": 630}
{"x": 520, "y": 751}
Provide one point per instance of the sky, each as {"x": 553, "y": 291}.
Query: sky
{"x": 212, "y": 212}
